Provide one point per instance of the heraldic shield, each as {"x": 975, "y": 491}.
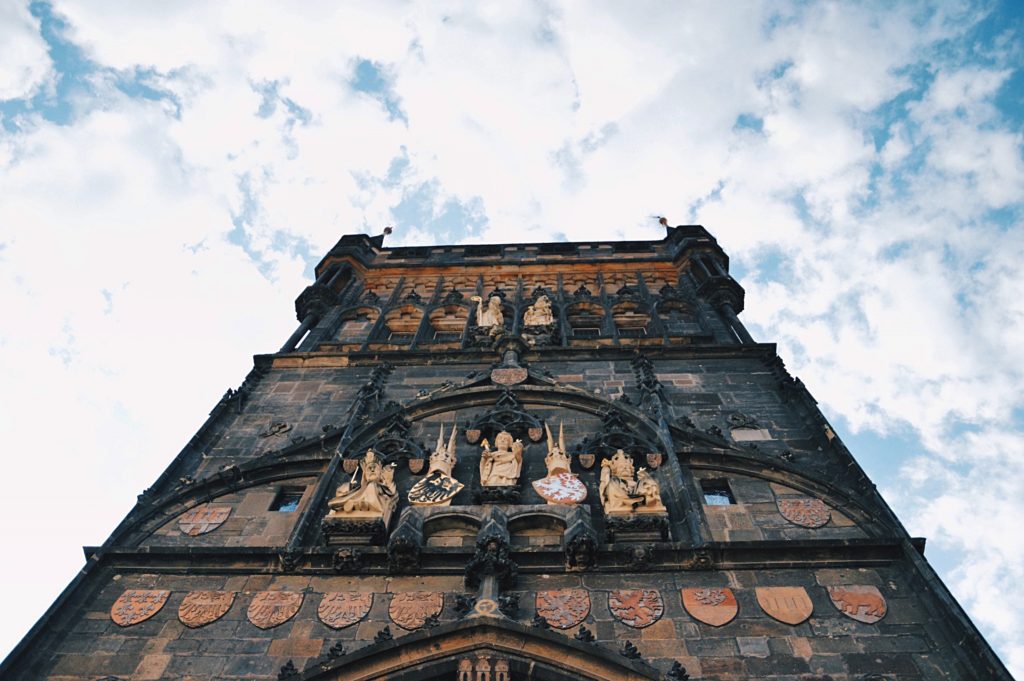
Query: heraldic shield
{"x": 804, "y": 511}
{"x": 344, "y": 608}
{"x": 716, "y": 607}
{"x": 637, "y": 608}
{"x": 272, "y": 608}
{"x": 561, "y": 488}
{"x": 203, "y": 519}
{"x": 200, "y": 608}
{"x": 137, "y": 605}
{"x": 563, "y": 608}
{"x": 411, "y": 609}
{"x": 862, "y": 603}
{"x": 787, "y": 604}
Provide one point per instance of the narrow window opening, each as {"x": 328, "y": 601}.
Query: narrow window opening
{"x": 717, "y": 493}
{"x": 287, "y": 500}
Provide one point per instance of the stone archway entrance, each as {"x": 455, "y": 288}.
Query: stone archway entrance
{"x": 482, "y": 649}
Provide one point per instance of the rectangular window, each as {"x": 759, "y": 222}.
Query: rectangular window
{"x": 716, "y": 493}
{"x": 287, "y": 500}
{"x": 586, "y": 332}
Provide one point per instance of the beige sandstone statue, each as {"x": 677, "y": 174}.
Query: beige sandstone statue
{"x": 369, "y": 494}
{"x": 539, "y": 314}
{"x": 500, "y": 467}
{"x": 624, "y": 492}
{"x": 438, "y": 487}
{"x": 559, "y": 486}
{"x": 489, "y": 317}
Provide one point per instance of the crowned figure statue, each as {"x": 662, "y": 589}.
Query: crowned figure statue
{"x": 369, "y": 494}
{"x": 623, "y": 491}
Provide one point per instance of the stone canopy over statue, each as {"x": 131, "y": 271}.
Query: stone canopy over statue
{"x": 438, "y": 487}
{"x": 622, "y": 492}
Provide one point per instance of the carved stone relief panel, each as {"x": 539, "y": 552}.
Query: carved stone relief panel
{"x": 137, "y": 605}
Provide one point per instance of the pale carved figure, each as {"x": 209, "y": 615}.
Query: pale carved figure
{"x": 369, "y": 494}
{"x": 500, "y": 467}
{"x": 489, "y": 317}
{"x": 539, "y": 314}
{"x": 560, "y": 486}
{"x": 438, "y": 487}
{"x": 622, "y": 491}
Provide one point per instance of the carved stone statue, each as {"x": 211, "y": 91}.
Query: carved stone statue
{"x": 622, "y": 491}
{"x": 559, "y": 486}
{"x": 490, "y": 317}
{"x": 539, "y": 314}
{"x": 438, "y": 487}
{"x": 369, "y": 494}
{"x": 500, "y": 467}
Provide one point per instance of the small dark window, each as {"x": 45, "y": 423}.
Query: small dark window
{"x": 716, "y": 493}
{"x": 287, "y": 500}
{"x": 586, "y": 332}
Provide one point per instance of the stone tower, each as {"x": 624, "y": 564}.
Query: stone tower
{"x": 508, "y": 462}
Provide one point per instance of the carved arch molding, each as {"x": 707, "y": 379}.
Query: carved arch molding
{"x": 436, "y": 654}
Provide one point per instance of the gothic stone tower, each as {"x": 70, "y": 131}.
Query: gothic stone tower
{"x": 498, "y": 463}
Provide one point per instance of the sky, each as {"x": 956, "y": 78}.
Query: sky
{"x": 171, "y": 172}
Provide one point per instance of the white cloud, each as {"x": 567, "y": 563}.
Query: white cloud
{"x": 25, "y": 66}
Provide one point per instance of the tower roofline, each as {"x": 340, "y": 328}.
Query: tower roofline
{"x": 369, "y": 251}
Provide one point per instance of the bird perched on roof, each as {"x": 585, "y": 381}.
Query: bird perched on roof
{"x": 663, "y": 220}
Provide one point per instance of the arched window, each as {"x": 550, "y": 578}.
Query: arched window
{"x": 400, "y": 324}
{"x": 447, "y": 324}
{"x": 585, "y": 320}
{"x": 631, "y": 319}
{"x": 356, "y": 324}
{"x": 679, "y": 318}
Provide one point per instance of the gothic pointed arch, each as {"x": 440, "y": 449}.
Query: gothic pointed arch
{"x": 429, "y": 654}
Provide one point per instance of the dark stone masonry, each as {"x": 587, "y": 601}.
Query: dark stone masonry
{"x": 726, "y": 531}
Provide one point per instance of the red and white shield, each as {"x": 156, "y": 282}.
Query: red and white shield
{"x": 203, "y": 519}
{"x": 561, "y": 488}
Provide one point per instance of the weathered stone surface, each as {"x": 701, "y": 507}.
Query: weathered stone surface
{"x": 269, "y": 609}
{"x": 200, "y": 608}
{"x": 343, "y": 609}
{"x": 564, "y": 608}
{"x": 714, "y": 606}
{"x": 203, "y": 519}
{"x": 637, "y": 608}
{"x": 805, "y": 512}
{"x": 137, "y": 605}
{"x": 863, "y": 603}
{"x": 411, "y": 609}
{"x": 788, "y": 604}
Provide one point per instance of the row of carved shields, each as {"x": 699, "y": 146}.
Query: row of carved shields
{"x": 562, "y": 608}
{"x": 269, "y": 609}
{"x": 639, "y": 608}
